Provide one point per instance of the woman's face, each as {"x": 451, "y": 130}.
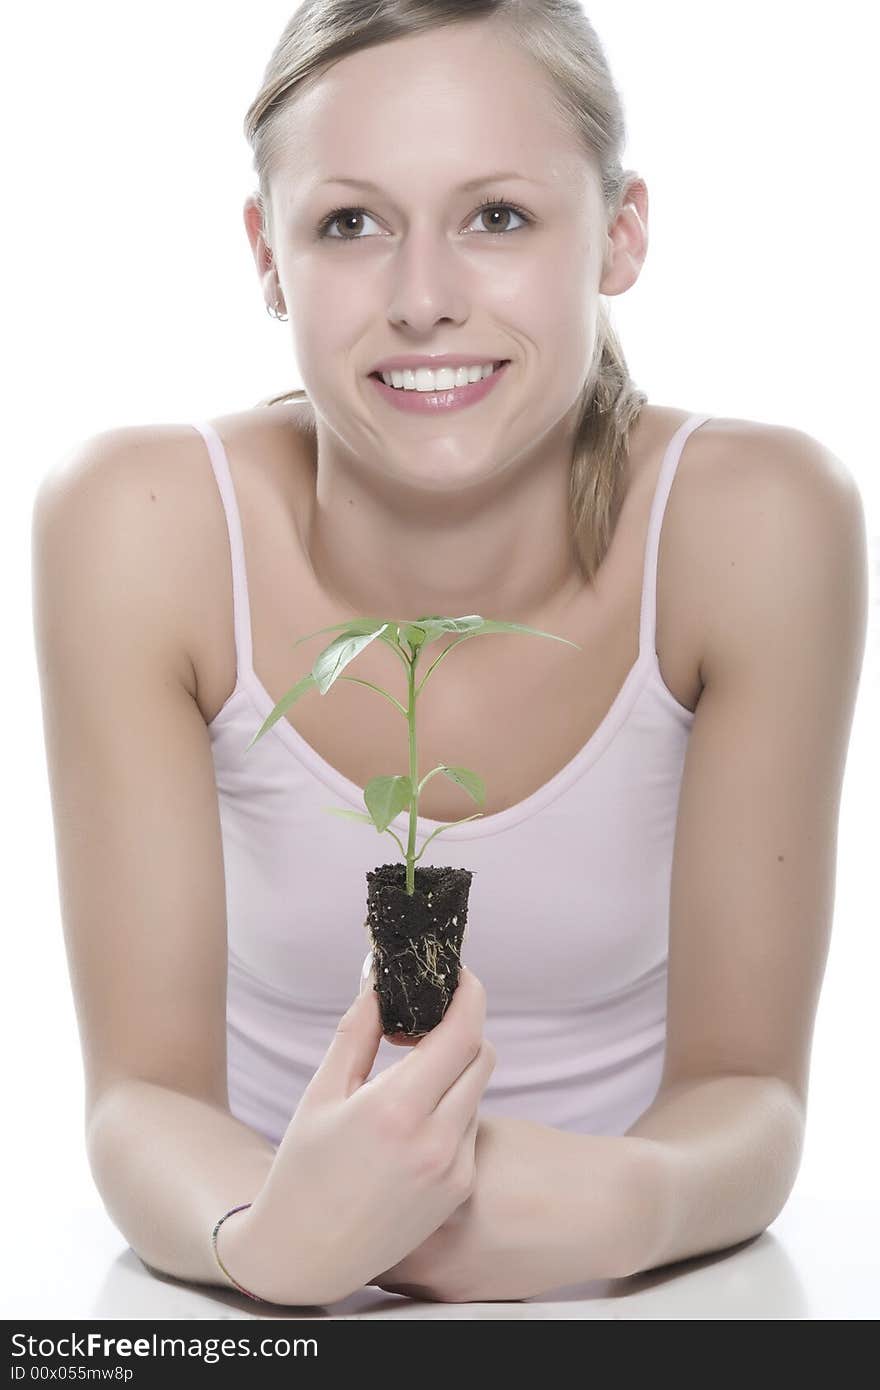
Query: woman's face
{"x": 437, "y": 123}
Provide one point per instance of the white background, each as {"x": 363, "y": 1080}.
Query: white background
{"x": 130, "y": 296}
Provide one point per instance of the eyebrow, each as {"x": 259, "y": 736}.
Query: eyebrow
{"x": 462, "y": 187}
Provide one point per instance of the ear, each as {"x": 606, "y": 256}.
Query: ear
{"x": 257, "y": 232}
{"x": 626, "y": 240}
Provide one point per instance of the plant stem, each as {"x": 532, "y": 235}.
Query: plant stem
{"x": 414, "y": 779}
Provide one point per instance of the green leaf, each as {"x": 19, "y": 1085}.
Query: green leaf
{"x": 440, "y": 828}
{"x": 414, "y": 634}
{"x": 386, "y": 797}
{"x": 489, "y": 625}
{"x": 354, "y": 627}
{"x": 352, "y": 815}
{"x": 474, "y": 625}
{"x": 334, "y": 659}
{"x": 435, "y": 627}
{"x": 300, "y": 689}
{"x": 391, "y": 635}
{"x": 472, "y": 783}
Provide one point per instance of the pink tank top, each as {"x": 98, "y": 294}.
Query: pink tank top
{"x": 568, "y": 915}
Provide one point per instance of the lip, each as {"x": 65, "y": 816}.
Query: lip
{"x": 445, "y": 359}
{"x": 444, "y": 400}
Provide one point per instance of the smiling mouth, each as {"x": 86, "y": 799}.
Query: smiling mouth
{"x": 496, "y": 366}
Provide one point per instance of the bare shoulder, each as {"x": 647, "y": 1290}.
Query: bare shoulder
{"x": 743, "y": 456}
{"x": 90, "y": 465}
{"x": 761, "y": 506}
{"x": 150, "y": 488}
{"x": 137, "y": 492}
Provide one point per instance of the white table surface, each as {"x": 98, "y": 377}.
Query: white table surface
{"x": 819, "y": 1259}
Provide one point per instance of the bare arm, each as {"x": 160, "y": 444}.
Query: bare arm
{"x": 139, "y": 855}
{"x": 167, "y": 1166}
{"x": 753, "y": 878}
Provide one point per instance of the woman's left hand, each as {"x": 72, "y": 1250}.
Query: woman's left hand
{"x": 541, "y": 1216}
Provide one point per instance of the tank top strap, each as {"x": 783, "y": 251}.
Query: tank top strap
{"x": 240, "y": 599}
{"x": 665, "y": 477}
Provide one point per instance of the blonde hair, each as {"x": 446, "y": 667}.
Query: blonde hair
{"x": 558, "y": 35}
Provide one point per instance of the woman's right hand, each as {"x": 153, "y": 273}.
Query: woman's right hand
{"x": 367, "y": 1169}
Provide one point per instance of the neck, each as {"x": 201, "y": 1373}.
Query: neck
{"x": 499, "y": 547}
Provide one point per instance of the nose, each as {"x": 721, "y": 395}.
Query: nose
{"x": 428, "y": 283}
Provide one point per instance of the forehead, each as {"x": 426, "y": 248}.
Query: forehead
{"x": 438, "y": 106}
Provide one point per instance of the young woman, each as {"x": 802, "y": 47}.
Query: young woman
{"x": 441, "y": 214}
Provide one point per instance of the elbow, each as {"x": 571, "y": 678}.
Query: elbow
{"x": 726, "y": 1187}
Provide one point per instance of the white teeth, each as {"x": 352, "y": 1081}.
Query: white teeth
{"x": 423, "y": 379}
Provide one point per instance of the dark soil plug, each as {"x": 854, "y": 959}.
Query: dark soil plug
{"x": 416, "y": 940}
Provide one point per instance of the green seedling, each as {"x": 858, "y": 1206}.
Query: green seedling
{"x": 386, "y": 797}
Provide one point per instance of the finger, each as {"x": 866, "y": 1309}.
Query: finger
{"x": 457, "y": 1112}
{"x": 426, "y": 1074}
{"x": 349, "y": 1059}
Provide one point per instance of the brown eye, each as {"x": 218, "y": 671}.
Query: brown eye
{"x": 492, "y": 216}
{"x": 351, "y": 219}
{"x": 348, "y": 218}
{"x": 495, "y": 214}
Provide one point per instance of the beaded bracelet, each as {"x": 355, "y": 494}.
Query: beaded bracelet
{"x": 232, "y": 1212}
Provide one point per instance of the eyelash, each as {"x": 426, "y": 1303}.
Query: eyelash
{"x": 490, "y": 202}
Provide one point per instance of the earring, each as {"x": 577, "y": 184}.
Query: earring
{"x": 272, "y": 311}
